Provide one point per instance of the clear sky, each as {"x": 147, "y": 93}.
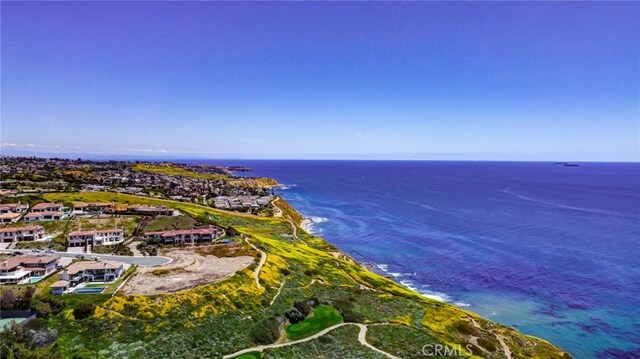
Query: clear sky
{"x": 495, "y": 81}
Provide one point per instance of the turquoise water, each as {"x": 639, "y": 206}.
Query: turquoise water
{"x": 34, "y": 280}
{"x": 7, "y": 322}
{"x": 92, "y": 290}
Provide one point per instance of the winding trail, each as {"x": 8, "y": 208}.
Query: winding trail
{"x": 263, "y": 260}
{"x": 505, "y": 347}
{"x": 277, "y": 294}
{"x": 293, "y": 225}
{"x": 362, "y": 338}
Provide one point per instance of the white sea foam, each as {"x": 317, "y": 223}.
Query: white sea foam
{"x": 462, "y": 304}
{"x": 309, "y": 224}
{"x": 441, "y": 297}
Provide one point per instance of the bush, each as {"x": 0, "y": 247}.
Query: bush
{"x": 303, "y": 307}
{"x": 294, "y": 316}
{"x": 35, "y": 324}
{"x": 231, "y": 232}
{"x": 347, "y": 311}
{"x": 266, "y": 331}
{"x": 8, "y": 299}
{"x": 42, "y": 308}
{"x": 84, "y": 310}
{"x": 466, "y": 328}
{"x": 487, "y": 344}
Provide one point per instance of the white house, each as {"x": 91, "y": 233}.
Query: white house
{"x": 95, "y": 237}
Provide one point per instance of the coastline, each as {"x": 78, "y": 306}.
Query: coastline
{"x": 306, "y": 223}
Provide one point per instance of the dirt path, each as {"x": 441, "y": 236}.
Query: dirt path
{"x": 505, "y": 347}
{"x": 263, "y": 260}
{"x": 293, "y": 225}
{"x": 278, "y": 212}
{"x": 134, "y": 249}
{"x": 277, "y": 294}
{"x": 361, "y": 338}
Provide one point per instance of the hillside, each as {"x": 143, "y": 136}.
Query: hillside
{"x": 245, "y": 310}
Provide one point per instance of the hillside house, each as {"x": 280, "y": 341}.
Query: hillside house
{"x": 25, "y": 233}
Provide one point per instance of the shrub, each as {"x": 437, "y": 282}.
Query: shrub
{"x": 8, "y": 300}
{"x": 232, "y": 232}
{"x": 466, "y": 328}
{"x": 266, "y": 331}
{"x": 347, "y": 311}
{"x": 487, "y": 344}
{"x": 303, "y": 307}
{"x": 84, "y": 310}
{"x": 294, "y": 316}
{"x": 42, "y": 308}
{"x": 35, "y": 324}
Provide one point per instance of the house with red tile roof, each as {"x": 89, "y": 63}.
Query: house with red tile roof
{"x": 47, "y": 207}
{"x": 92, "y": 271}
{"x": 20, "y": 269}
{"x": 185, "y": 236}
{"x": 24, "y": 233}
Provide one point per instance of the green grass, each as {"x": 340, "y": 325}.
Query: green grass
{"x": 323, "y": 317}
{"x": 165, "y": 223}
{"x": 339, "y": 343}
{"x": 176, "y": 171}
{"x": 111, "y": 288}
{"x": 252, "y": 355}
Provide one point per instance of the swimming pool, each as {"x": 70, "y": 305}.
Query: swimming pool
{"x": 92, "y": 290}
{"x": 34, "y": 280}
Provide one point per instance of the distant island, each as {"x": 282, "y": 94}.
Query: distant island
{"x": 114, "y": 259}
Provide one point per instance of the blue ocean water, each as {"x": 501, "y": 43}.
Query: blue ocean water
{"x": 549, "y": 249}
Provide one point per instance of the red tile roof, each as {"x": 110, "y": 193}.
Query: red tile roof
{"x": 24, "y": 228}
{"x": 45, "y": 206}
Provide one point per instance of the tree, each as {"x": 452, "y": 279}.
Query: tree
{"x": 265, "y": 332}
{"x": 8, "y": 300}
{"x": 293, "y": 315}
{"x": 303, "y": 307}
{"x": 231, "y": 232}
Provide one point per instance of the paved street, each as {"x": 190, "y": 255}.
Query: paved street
{"x": 141, "y": 261}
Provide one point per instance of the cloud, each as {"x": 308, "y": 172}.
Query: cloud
{"x": 26, "y": 145}
{"x": 146, "y": 150}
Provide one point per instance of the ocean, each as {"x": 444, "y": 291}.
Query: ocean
{"x": 549, "y": 249}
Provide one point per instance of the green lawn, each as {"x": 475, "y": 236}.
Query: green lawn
{"x": 165, "y": 223}
{"x": 323, "y": 317}
{"x": 252, "y": 355}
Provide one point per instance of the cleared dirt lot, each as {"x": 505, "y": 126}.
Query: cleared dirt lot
{"x": 187, "y": 270}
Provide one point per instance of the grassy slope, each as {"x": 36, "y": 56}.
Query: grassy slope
{"x": 216, "y": 319}
{"x": 323, "y": 317}
{"x": 178, "y": 171}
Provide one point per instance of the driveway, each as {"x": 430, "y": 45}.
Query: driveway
{"x": 141, "y": 261}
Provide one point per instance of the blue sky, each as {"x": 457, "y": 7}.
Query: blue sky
{"x": 475, "y": 81}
